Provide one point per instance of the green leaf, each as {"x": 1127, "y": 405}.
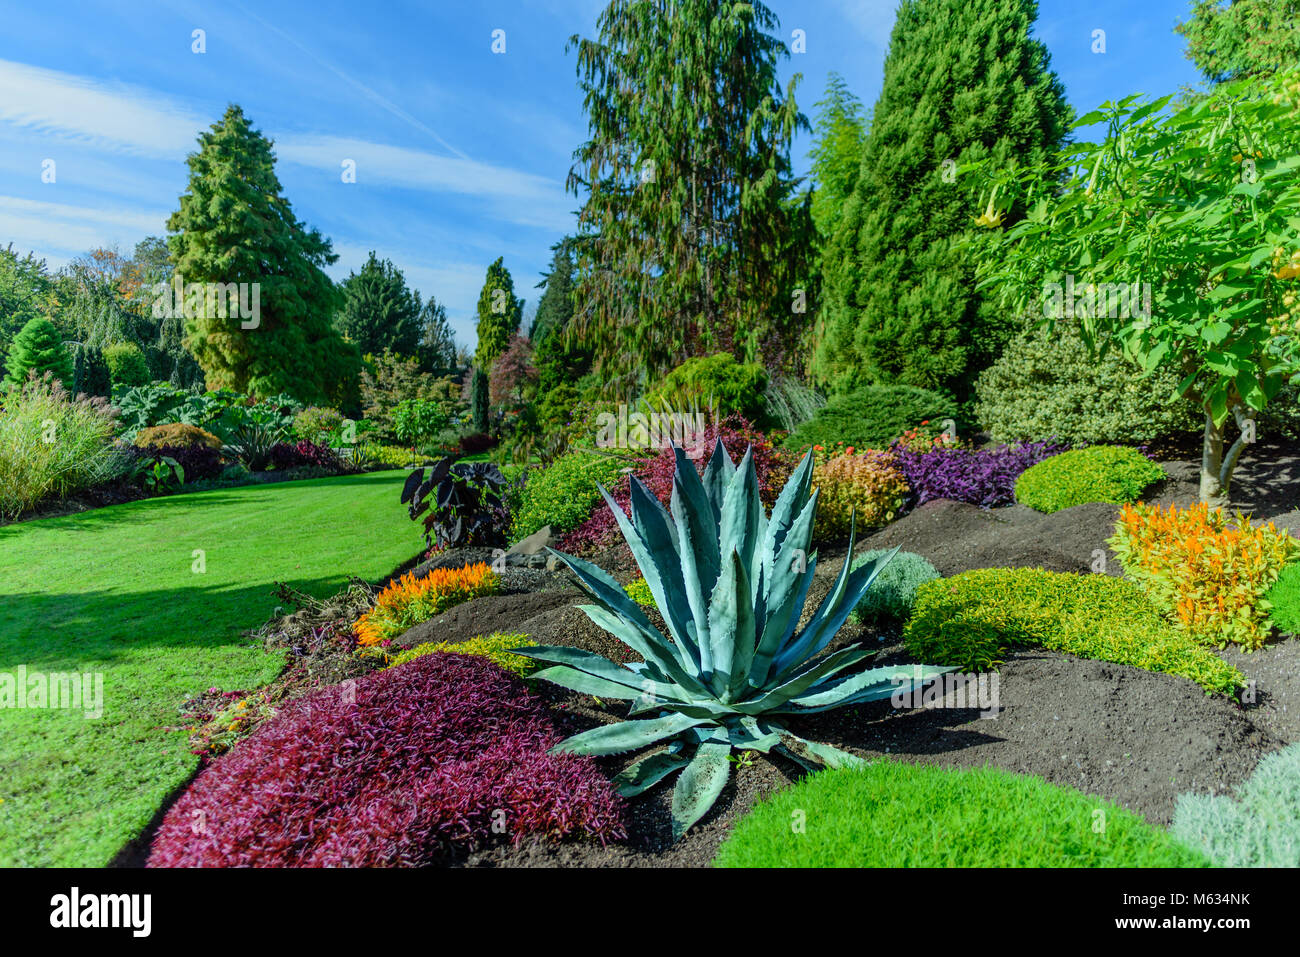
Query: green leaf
{"x": 626, "y": 735}
{"x": 649, "y": 771}
{"x": 582, "y": 682}
{"x": 700, "y": 784}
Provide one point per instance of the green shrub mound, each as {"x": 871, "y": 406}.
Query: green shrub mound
{"x": 1049, "y": 384}
{"x": 717, "y": 381}
{"x": 564, "y": 494}
{"x": 1102, "y": 473}
{"x": 970, "y": 620}
{"x": 872, "y": 417}
{"x": 1259, "y": 828}
{"x": 893, "y": 814}
{"x": 1284, "y": 597}
{"x": 890, "y": 598}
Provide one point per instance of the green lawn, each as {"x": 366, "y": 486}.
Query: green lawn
{"x": 114, "y": 591}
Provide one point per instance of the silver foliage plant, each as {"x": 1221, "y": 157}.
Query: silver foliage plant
{"x": 730, "y": 583}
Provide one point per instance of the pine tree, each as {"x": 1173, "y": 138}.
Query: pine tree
{"x": 839, "y": 135}
{"x": 437, "y": 351}
{"x": 499, "y": 314}
{"x": 24, "y": 287}
{"x": 963, "y": 81}
{"x": 39, "y": 348}
{"x": 558, "y": 356}
{"x": 693, "y": 239}
{"x": 1243, "y": 38}
{"x": 380, "y": 313}
{"x": 234, "y": 226}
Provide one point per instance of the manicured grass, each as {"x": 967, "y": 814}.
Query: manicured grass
{"x": 892, "y": 814}
{"x": 116, "y": 590}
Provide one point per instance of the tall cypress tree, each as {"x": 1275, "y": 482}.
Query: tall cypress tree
{"x": 499, "y": 314}
{"x": 963, "y": 81}
{"x": 693, "y": 238}
{"x": 234, "y": 226}
{"x": 437, "y": 351}
{"x": 380, "y": 312}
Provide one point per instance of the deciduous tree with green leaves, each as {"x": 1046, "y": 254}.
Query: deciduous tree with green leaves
{"x": 1200, "y": 208}
{"x": 234, "y": 225}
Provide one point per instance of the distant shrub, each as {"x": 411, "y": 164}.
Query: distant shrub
{"x": 1048, "y": 384}
{"x": 866, "y": 484}
{"x": 1101, "y": 473}
{"x": 891, "y": 596}
{"x": 476, "y": 443}
{"x": 983, "y": 477}
{"x": 176, "y": 434}
{"x": 127, "y": 365}
{"x": 284, "y": 455}
{"x": 318, "y": 425}
{"x": 409, "y": 600}
{"x": 1209, "y": 573}
{"x": 772, "y": 466}
{"x": 495, "y": 647}
{"x": 970, "y": 620}
{"x": 1284, "y": 600}
{"x": 53, "y": 446}
{"x": 1259, "y": 828}
{"x": 718, "y": 383}
{"x": 892, "y": 814}
{"x": 398, "y": 769}
{"x": 872, "y": 417}
{"x": 564, "y": 494}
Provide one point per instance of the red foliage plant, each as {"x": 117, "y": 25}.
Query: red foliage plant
{"x": 772, "y": 465}
{"x": 399, "y": 768}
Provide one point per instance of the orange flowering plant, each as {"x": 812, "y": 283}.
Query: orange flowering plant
{"x": 1209, "y": 573}
{"x": 869, "y": 482}
{"x": 409, "y": 600}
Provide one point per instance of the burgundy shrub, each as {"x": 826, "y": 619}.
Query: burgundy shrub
{"x": 395, "y": 769}
{"x": 476, "y": 443}
{"x": 198, "y": 461}
{"x": 984, "y": 477}
{"x": 285, "y": 455}
{"x": 772, "y": 466}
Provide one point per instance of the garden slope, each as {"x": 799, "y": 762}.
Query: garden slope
{"x": 113, "y": 591}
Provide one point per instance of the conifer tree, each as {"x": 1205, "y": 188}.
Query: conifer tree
{"x": 380, "y": 312}
{"x": 1242, "y": 38}
{"x": 39, "y": 348}
{"x": 964, "y": 81}
{"x": 694, "y": 238}
{"x": 499, "y": 314}
{"x": 235, "y": 226}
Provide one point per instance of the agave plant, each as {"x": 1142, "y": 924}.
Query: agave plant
{"x": 730, "y": 583}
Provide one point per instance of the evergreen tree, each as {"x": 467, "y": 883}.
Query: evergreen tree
{"x": 1242, "y": 38}
{"x": 380, "y": 313}
{"x": 478, "y": 400}
{"x": 438, "y": 352}
{"x": 234, "y": 226}
{"x": 24, "y": 288}
{"x": 839, "y": 135}
{"x": 39, "y": 348}
{"x": 558, "y": 356}
{"x": 963, "y": 82}
{"x": 499, "y": 314}
{"x": 693, "y": 237}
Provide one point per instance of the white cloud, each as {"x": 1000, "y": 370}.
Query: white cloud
{"x": 108, "y": 116}
{"x": 57, "y": 231}
{"x": 874, "y": 19}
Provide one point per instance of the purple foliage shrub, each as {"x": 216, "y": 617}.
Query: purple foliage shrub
{"x": 286, "y": 455}
{"x": 984, "y": 477}
{"x": 198, "y": 461}
{"x": 395, "y": 769}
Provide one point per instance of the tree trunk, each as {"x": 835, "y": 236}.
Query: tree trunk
{"x": 1216, "y": 465}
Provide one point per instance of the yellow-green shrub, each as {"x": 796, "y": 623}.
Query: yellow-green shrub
{"x": 970, "y": 620}
{"x": 869, "y": 482}
{"x": 176, "y": 433}
{"x": 1209, "y": 573}
{"x": 496, "y": 647}
{"x": 639, "y": 591}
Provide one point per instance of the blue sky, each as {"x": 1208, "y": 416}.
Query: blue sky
{"x": 461, "y": 153}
